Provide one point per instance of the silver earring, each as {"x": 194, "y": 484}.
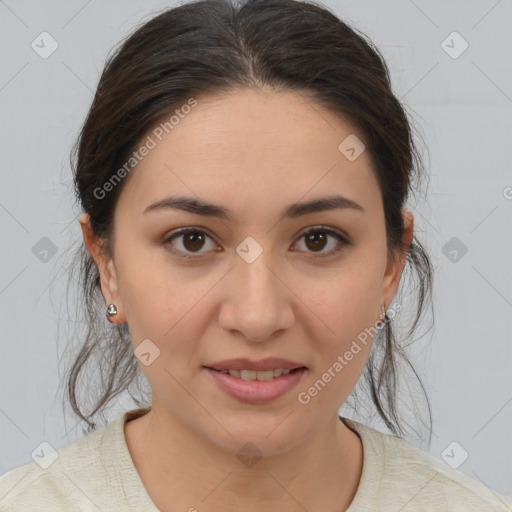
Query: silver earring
{"x": 384, "y": 315}
{"x": 111, "y": 310}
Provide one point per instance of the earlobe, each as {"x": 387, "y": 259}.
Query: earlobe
{"x": 396, "y": 266}
{"x": 108, "y": 276}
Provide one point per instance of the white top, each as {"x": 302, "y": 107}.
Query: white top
{"x": 96, "y": 473}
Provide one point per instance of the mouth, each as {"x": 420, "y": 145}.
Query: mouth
{"x": 260, "y": 375}
{"x": 268, "y": 368}
{"x": 257, "y": 386}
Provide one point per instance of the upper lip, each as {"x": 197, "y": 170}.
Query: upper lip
{"x": 269, "y": 363}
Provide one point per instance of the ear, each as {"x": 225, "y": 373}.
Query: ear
{"x": 108, "y": 276}
{"x": 396, "y": 264}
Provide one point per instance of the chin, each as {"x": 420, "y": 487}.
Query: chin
{"x": 267, "y": 434}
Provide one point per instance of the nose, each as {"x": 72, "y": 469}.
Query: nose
{"x": 257, "y": 302}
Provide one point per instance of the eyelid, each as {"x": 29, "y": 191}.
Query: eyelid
{"x": 338, "y": 235}
{"x": 168, "y": 238}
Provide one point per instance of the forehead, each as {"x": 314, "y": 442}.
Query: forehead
{"x": 248, "y": 149}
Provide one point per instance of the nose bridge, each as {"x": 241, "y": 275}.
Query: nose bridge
{"x": 257, "y": 304}
{"x": 258, "y": 280}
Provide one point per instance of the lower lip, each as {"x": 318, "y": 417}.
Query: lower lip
{"x": 256, "y": 391}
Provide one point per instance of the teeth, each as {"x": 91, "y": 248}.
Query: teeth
{"x": 266, "y": 375}
{"x": 257, "y": 375}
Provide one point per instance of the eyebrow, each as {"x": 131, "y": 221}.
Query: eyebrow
{"x": 199, "y": 207}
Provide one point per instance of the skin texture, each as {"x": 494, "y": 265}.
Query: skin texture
{"x": 254, "y": 152}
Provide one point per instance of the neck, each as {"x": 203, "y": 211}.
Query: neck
{"x": 178, "y": 466}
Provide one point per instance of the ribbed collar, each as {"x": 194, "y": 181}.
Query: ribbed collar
{"x": 116, "y": 458}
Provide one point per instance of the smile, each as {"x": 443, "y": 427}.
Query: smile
{"x": 257, "y": 386}
{"x": 257, "y": 375}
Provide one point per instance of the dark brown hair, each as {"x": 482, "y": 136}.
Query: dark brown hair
{"x": 214, "y": 46}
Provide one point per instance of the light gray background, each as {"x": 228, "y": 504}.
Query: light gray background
{"x": 463, "y": 107}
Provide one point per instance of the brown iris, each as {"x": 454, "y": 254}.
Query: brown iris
{"x": 196, "y": 240}
{"x": 316, "y": 238}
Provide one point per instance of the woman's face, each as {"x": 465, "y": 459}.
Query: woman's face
{"x": 249, "y": 284}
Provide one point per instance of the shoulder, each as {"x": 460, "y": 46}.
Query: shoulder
{"x": 56, "y": 480}
{"x": 409, "y": 477}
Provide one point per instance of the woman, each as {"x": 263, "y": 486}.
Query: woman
{"x": 243, "y": 173}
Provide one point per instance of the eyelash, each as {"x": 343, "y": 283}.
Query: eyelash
{"x": 342, "y": 241}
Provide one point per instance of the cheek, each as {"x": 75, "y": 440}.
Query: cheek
{"x": 344, "y": 327}
{"x": 342, "y": 312}
{"x": 153, "y": 293}
{"x": 165, "y": 304}
{"x": 160, "y": 312}
{"x": 164, "y": 315}
{"x": 345, "y": 303}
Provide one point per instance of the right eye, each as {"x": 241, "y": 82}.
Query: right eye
{"x": 193, "y": 240}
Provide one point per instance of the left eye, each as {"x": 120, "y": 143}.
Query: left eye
{"x": 193, "y": 240}
{"x": 319, "y": 236}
